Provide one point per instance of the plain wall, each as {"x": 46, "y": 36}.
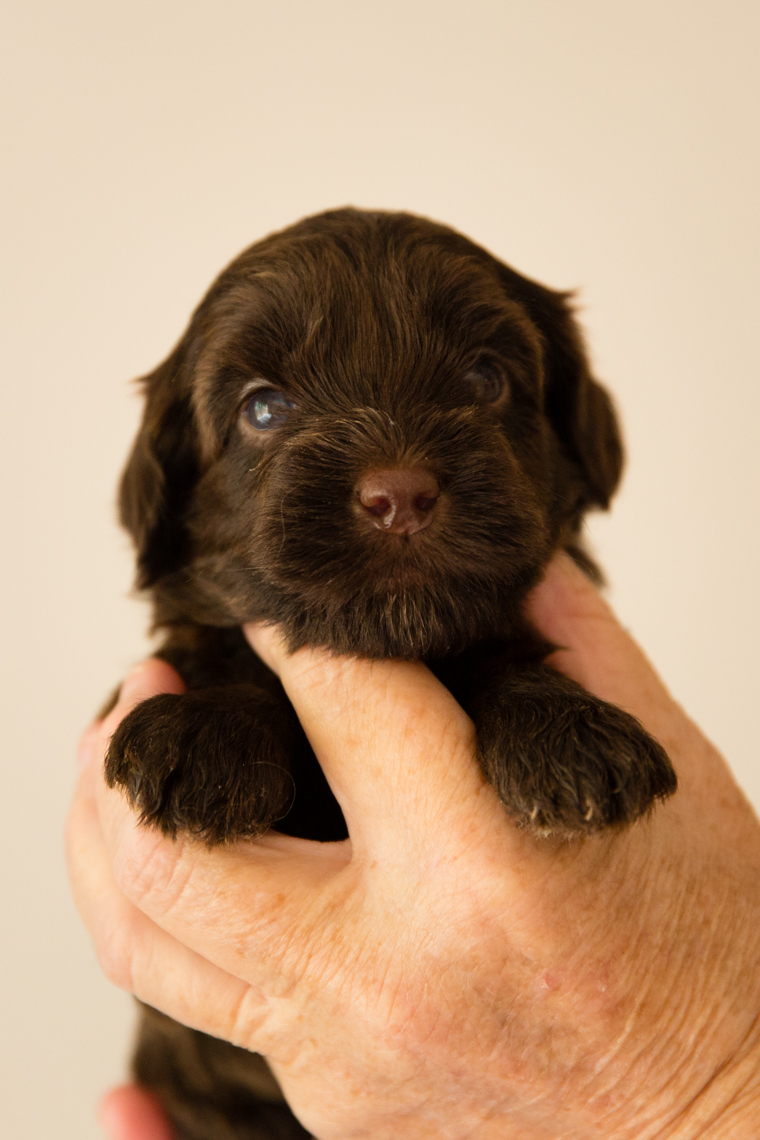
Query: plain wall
{"x": 611, "y": 147}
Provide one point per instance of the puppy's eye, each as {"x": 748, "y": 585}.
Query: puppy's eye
{"x": 266, "y": 409}
{"x": 488, "y": 381}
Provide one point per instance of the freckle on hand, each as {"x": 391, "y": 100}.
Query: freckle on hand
{"x": 547, "y": 980}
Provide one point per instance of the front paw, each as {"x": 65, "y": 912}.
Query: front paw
{"x": 565, "y": 763}
{"x": 213, "y": 763}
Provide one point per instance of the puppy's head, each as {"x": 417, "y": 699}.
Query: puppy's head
{"x": 373, "y": 433}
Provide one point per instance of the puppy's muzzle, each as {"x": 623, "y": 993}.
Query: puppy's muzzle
{"x": 398, "y": 500}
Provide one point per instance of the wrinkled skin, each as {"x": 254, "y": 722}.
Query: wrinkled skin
{"x": 442, "y": 974}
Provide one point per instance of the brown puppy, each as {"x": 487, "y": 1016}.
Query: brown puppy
{"x": 376, "y": 435}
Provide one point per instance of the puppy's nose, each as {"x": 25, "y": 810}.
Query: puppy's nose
{"x": 399, "y": 500}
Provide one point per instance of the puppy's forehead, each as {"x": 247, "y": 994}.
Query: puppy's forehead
{"x": 352, "y": 316}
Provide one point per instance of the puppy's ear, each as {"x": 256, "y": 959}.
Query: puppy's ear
{"x": 579, "y": 409}
{"x": 161, "y": 472}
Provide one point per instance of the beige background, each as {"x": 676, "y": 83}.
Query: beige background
{"x": 610, "y": 146}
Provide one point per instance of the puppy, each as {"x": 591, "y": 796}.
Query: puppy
{"x": 375, "y": 435}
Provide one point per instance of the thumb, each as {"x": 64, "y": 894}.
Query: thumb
{"x": 396, "y": 748}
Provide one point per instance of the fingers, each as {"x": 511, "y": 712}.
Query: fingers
{"x": 134, "y": 952}
{"x": 124, "y": 876}
{"x": 595, "y": 650}
{"x": 236, "y": 906}
{"x": 148, "y": 679}
{"x": 131, "y": 1113}
{"x": 602, "y": 656}
{"x": 397, "y": 749}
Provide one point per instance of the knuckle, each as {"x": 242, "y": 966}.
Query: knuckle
{"x": 152, "y": 871}
{"x": 248, "y": 1021}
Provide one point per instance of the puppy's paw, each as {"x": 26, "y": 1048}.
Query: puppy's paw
{"x": 213, "y": 763}
{"x": 565, "y": 763}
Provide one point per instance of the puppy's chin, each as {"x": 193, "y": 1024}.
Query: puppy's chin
{"x": 407, "y": 615}
{"x": 412, "y": 622}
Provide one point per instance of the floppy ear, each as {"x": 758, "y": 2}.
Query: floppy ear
{"x": 161, "y": 472}
{"x": 579, "y": 409}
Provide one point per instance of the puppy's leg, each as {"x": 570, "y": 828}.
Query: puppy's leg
{"x": 562, "y": 761}
{"x": 213, "y": 762}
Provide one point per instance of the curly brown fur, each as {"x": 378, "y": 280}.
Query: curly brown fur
{"x": 427, "y": 434}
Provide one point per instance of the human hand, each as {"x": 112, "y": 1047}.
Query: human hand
{"x": 442, "y": 974}
{"x": 131, "y": 1113}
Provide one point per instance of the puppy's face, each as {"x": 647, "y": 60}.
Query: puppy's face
{"x": 373, "y": 433}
